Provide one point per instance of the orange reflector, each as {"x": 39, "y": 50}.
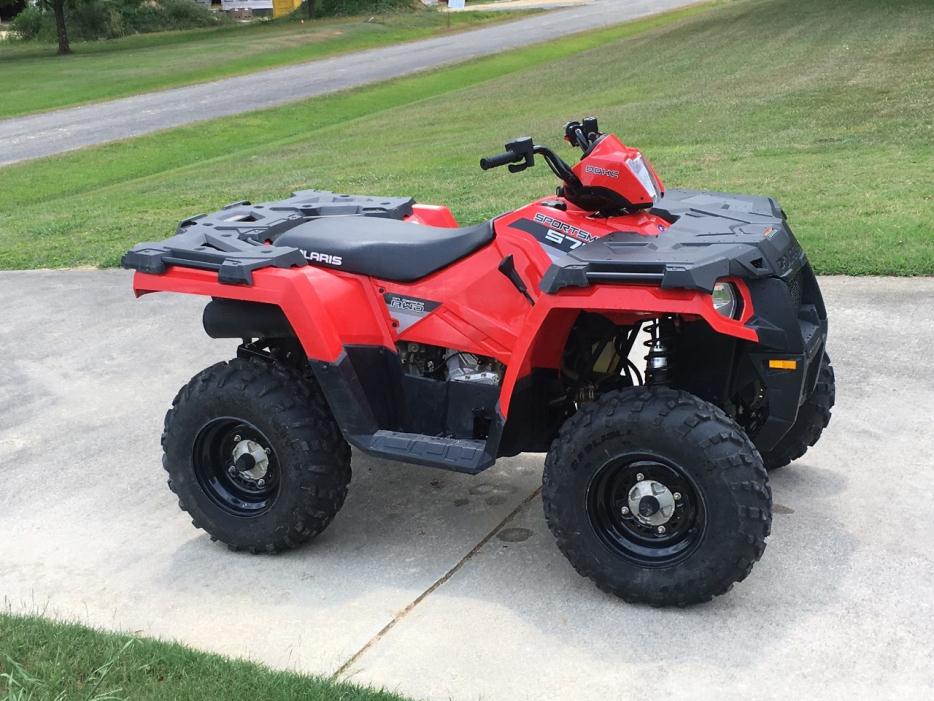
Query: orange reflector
{"x": 776, "y": 364}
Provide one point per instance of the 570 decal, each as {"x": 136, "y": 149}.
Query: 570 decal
{"x": 562, "y": 241}
{"x": 554, "y": 233}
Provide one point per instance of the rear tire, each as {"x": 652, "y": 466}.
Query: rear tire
{"x": 691, "y": 459}
{"x": 813, "y": 417}
{"x": 255, "y": 456}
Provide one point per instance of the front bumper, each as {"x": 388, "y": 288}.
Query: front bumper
{"x": 791, "y": 321}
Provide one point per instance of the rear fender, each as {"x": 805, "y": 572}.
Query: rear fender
{"x": 432, "y": 215}
{"x": 542, "y": 340}
{"x": 326, "y": 310}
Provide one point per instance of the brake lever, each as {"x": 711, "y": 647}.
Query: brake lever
{"x": 519, "y": 167}
{"x": 524, "y": 148}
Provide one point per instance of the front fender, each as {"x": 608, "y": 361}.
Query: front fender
{"x": 543, "y": 336}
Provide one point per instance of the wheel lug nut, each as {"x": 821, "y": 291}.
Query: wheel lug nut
{"x": 237, "y": 438}
{"x": 677, "y": 496}
{"x": 232, "y": 469}
{"x": 661, "y": 529}
{"x": 640, "y": 477}
{"x": 260, "y": 483}
{"x": 267, "y": 451}
{"x": 625, "y": 511}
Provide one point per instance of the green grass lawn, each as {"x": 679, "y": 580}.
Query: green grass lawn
{"x": 825, "y": 104}
{"x": 35, "y": 79}
{"x": 41, "y": 660}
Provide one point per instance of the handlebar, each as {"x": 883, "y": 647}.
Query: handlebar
{"x": 500, "y": 159}
{"x": 520, "y": 154}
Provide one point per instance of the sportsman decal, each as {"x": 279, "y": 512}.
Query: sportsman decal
{"x": 565, "y": 228}
{"x": 557, "y": 236}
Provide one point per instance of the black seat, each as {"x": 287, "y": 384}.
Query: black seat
{"x": 384, "y": 248}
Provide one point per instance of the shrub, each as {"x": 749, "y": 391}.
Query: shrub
{"x": 109, "y": 19}
{"x": 28, "y": 24}
{"x": 328, "y": 8}
{"x": 95, "y": 20}
{"x": 164, "y": 15}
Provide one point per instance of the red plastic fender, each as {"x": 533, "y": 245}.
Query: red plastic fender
{"x": 327, "y": 309}
{"x": 541, "y": 340}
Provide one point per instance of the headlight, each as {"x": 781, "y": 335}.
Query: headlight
{"x": 725, "y": 299}
{"x": 638, "y": 168}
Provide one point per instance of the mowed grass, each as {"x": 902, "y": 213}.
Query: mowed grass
{"x": 41, "y": 660}
{"x": 826, "y": 105}
{"x": 35, "y": 79}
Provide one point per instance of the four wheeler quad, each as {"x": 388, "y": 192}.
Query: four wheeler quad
{"x": 377, "y": 323}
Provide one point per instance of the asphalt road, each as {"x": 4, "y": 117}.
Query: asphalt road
{"x": 23, "y": 138}
{"x": 840, "y": 605}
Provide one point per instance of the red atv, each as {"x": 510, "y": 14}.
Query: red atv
{"x": 378, "y": 323}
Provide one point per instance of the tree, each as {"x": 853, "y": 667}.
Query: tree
{"x": 310, "y": 8}
{"x": 58, "y": 7}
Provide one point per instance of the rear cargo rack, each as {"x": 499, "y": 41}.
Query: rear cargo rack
{"x": 240, "y": 238}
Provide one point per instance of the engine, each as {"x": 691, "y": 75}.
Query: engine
{"x": 450, "y": 365}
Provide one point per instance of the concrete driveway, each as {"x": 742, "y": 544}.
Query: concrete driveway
{"x": 445, "y": 586}
{"x": 48, "y": 133}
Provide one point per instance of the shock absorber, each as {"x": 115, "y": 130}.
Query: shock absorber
{"x": 658, "y": 363}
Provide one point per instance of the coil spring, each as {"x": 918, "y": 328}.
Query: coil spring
{"x": 657, "y": 360}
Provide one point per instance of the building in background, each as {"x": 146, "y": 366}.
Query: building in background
{"x": 284, "y": 7}
{"x": 247, "y": 8}
{"x": 253, "y": 5}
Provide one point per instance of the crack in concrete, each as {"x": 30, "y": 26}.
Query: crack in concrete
{"x": 437, "y": 583}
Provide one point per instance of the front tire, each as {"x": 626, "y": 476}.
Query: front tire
{"x": 255, "y": 456}
{"x": 657, "y": 496}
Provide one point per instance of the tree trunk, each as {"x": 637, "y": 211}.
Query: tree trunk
{"x": 310, "y": 6}
{"x": 59, "y": 7}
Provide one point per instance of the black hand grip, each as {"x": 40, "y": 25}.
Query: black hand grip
{"x": 499, "y": 159}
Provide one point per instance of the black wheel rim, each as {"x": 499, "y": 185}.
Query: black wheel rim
{"x": 628, "y": 533}
{"x": 240, "y": 493}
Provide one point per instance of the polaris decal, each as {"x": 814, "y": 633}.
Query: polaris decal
{"x": 317, "y": 257}
{"x": 408, "y": 310}
{"x": 597, "y": 170}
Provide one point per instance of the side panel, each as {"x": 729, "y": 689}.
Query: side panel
{"x": 468, "y": 306}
